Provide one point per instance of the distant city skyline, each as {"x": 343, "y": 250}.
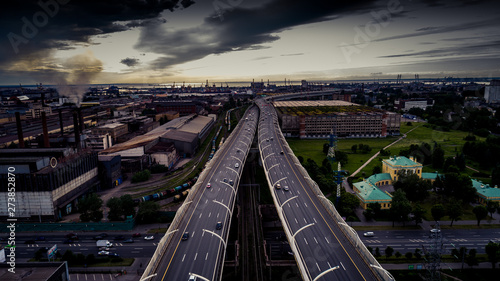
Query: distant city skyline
{"x": 77, "y": 42}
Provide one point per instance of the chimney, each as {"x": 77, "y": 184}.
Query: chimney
{"x": 76, "y": 130}
{"x": 42, "y": 97}
{"x": 19, "y": 130}
{"x": 46, "y": 142}
{"x": 82, "y": 124}
{"x": 61, "y": 122}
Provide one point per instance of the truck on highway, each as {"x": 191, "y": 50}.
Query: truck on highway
{"x": 104, "y": 243}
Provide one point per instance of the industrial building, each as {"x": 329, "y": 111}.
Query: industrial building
{"x": 183, "y": 107}
{"x": 408, "y": 104}
{"x": 49, "y": 181}
{"x": 115, "y": 130}
{"x": 492, "y": 92}
{"x": 317, "y": 119}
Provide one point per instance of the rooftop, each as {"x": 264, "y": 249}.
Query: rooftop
{"x": 486, "y": 191}
{"x": 369, "y": 192}
{"x": 111, "y": 125}
{"x": 401, "y": 161}
{"x": 379, "y": 177}
{"x": 196, "y": 125}
{"x": 313, "y": 103}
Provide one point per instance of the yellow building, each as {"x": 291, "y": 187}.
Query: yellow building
{"x": 400, "y": 164}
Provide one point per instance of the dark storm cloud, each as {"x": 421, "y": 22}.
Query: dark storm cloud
{"x": 240, "y": 29}
{"x": 130, "y": 62}
{"x": 484, "y": 48}
{"x": 29, "y": 28}
{"x": 444, "y": 29}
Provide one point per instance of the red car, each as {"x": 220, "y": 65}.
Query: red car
{"x": 136, "y": 235}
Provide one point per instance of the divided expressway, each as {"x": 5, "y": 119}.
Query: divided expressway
{"x": 212, "y": 201}
{"x": 322, "y": 250}
{"x": 324, "y": 247}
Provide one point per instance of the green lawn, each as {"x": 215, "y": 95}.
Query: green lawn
{"x": 451, "y": 142}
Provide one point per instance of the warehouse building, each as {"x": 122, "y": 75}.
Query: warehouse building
{"x": 49, "y": 181}
{"x": 317, "y": 119}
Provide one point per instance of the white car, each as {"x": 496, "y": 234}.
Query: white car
{"x": 236, "y": 165}
{"x": 368, "y": 234}
{"x": 209, "y": 185}
{"x": 103, "y": 253}
{"x": 151, "y": 237}
{"x": 285, "y": 188}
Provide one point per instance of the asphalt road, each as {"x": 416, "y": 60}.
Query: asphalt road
{"x": 321, "y": 244}
{"x": 404, "y": 241}
{"x": 202, "y": 254}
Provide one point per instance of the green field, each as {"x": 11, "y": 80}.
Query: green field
{"x": 451, "y": 142}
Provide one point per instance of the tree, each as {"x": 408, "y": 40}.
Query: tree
{"x": 301, "y": 159}
{"x": 148, "y": 211}
{"x": 454, "y": 210}
{"x": 417, "y": 253}
{"x": 418, "y": 214}
{"x": 409, "y": 255}
{"x": 326, "y": 147}
{"x": 115, "y": 209}
{"x": 376, "y": 170}
{"x": 354, "y": 148}
{"x": 415, "y": 188}
{"x": 90, "y": 259}
{"x": 39, "y": 254}
{"x": 438, "y": 212}
{"x": 377, "y": 252}
{"x": 481, "y": 212}
{"x": 376, "y": 207}
{"x": 90, "y": 208}
{"x": 398, "y": 254}
{"x": 348, "y": 202}
{"x": 400, "y": 207}
{"x": 437, "y": 157}
{"x": 389, "y": 251}
{"x": 128, "y": 205}
{"x": 492, "y": 207}
{"x": 369, "y": 214}
{"x": 471, "y": 258}
{"x": 68, "y": 256}
{"x": 492, "y": 250}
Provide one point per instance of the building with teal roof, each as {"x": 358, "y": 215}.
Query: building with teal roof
{"x": 485, "y": 192}
{"x": 369, "y": 193}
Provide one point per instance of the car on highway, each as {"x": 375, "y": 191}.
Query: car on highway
{"x": 281, "y": 152}
{"x": 113, "y": 255}
{"x": 218, "y": 225}
{"x": 72, "y": 236}
{"x": 68, "y": 241}
{"x": 236, "y": 165}
{"x": 209, "y": 185}
{"x": 285, "y": 188}
{"x": 278, "y": 186}
{"x": 231, "y": 182}
{"x": 104, "y": 249}
{"x": 185, "y": 236}
{"x": 192, "y": 278}
{"x": 368, "y": 234}
{"x": 224, "y": 180}
{"x": 150, "y": 237}
{"x": 40, "y": 238}
{"x": 103, "y": 253}
{"x": 128, "y": 240}
{"x": 137, "y": 234}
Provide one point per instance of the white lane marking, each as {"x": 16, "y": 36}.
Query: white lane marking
{"x": 218, "y": 189}
{"x": 194, "y": 232}
{"x": 306, "y": 241}
{"x": 154, "y": 244}
{"x": 94, "y": 276}
{"x": 222, "y": 201}
{"x": 135, "y": 252}
{"x": 85, "y": 276}
{"x": 102, "y": 276}
{"x": 293, "y": 181}
{"x": 200, "y": 215}
{"x": 209, "y": 214}
{"x": 217, "y": 215}
{"x": 206, "y": 201}
{"x": 298, "y": 192}
{"x": 305, "y": 204}
{"x": 327, "y": 240}
{"x": 329, "y": 264}
{"x": 77, "y": 277}
{"x": 195, "y": 256}
{"x": 288, "y": 205}
{"x": 305, "y": 220}
{"x": 296, "y": 221}
{"x": 342, "y": 265}
{"x": 318, "y": 267}
{"x": 183, "y": 257}
{"x": 138, "y": 248}
{"x": 315, "y": 240}
{"x": 206, "y": 256}
{"x": 315, "y": 220}
{"x": 110, "y": 277}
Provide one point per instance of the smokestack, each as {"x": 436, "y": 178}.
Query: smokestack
{"x": 82, "y": 124}
{"x": 43, "y": 99}
{"x": 19, "y": 130}
{"x": 61, "y": 122}
{"x": 46, "y": 142}
{"x": 76, "y": 130}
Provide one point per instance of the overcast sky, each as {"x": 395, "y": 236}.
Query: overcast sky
{"x": 165, "y": 41}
